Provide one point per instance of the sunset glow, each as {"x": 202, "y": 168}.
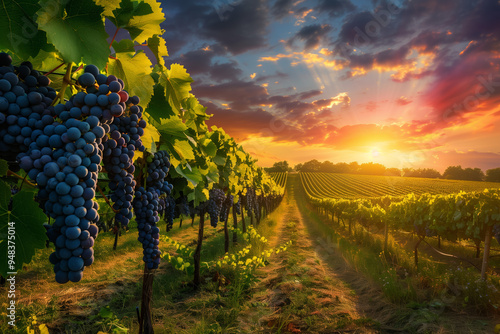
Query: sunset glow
{"x": 407, "y": 83}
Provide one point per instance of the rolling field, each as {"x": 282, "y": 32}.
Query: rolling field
{"x": 351, "y": 186}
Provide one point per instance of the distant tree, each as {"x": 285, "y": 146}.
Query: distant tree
{"x": 454, "y": 173}
{"x": 475, "y": 174}
{"x": 341, "y": 167}
{"x": 458, "y": 173}
{"x": 298, "y": 167}
{"x": 354, "y": 167}
{"x": 393, "y": 172}
{"x": 311, "y": 166}
{"x": 421, "y": 172}
{"x": 326, "y": 167}
{"x": 429, "y": 173}
{"x": 493, "y": 175}
{"x": 371, "y": 168}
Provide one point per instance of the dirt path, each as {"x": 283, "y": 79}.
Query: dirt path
{"x": 299, "y": 291}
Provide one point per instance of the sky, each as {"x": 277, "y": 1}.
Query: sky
{"x": 409, "y": 84}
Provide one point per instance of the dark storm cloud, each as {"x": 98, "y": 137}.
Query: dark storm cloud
{"x": 281, "y": 8}
{"x": 312, "y": 35}
{"x": 240, "y": 124}
{"x": 225, "y": 71}
{"x": 242, "y": 29}
{"x": 237, "y": 25}
{"x": 335, "y": 8}
{"x": 277, "y": 75}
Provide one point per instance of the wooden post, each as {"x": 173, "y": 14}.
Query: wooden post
{"x": 117, "y": 232}
{"x": 146, "y": 321}
{"x": 235, "y": 225}
{"x": 486, "y": 253}
{"x": 197, "y": 252}
{"x": 244, "y": 225}
{"x": 226, "y": 235}
{"x": 416, "y": 250}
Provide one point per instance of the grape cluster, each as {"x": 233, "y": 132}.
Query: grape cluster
{"x": 146, "y": 205}
{"x": 496, "y": 232}
{"x": 25, "y": 106}
{"x": 119, "y": 150}
{"x": 252, "y": 202}
{"x": 238, "y": 206}
{"x": 64, "y": 159}
{"x": 169, "y": 212}
{"x": 216, "y": 198}
{"x": 226, "y": 207}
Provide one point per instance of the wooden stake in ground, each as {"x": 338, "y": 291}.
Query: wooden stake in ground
{"x": 235, "y": 225}
{"x": 146, "y": 320}
{"x": 197, "y": 252}
{"x": 486, "y": 253}
{"x": 244, "y": 225}
{"x": 226, "y": 235}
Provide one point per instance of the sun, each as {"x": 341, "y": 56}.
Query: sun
{"x": 375, "y": 153}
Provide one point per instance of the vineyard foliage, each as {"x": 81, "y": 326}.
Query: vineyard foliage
{"x": 335, "y": 185}
{"x": 60, "y": 38}
{"x": 454, "y": 216}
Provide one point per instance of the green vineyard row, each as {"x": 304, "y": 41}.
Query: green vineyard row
{"x": 472, "y": 215}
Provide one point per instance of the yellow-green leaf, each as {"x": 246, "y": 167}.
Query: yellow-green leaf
{"x": 135, "y": 71}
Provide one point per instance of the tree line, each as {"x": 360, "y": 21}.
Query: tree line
{"x": 370, "y": 168}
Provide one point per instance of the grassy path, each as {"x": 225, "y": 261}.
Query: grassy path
{"x": 299, "y": 292}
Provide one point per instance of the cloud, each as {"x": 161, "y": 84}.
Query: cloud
{"x": 239, "y": 124}
{"x": 282, "y": 8}
{"x": 238, "y": 26}
{"x": 403, "y": 100}
{"x": 312, "y": 36}
{"x": 335, "y": 8}
{"x": 243, "y": 29}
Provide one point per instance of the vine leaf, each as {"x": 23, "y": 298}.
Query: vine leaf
{"x": 135, "y": 71}
{"x": 158, "y": 107}
{"x": 149, "y": 139}
{"x": 20, "y": 33}
{"x": 145, "y": 26}
{"x": 159, "y": 48}
{"x": 76, "y": 29}
{"x": 28, "y": 221}
{"x": 4, "y": 167}
{"x": 127, "y": 10}
{"x": 177, "y": 83}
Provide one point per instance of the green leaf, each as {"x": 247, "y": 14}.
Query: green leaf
{"x": 183, "y": 149}
{"x": 172, "y": 126}
{"x": 76, "y": 29}
{"x": 150, "y": 137}
{"x": 143, "y": 27}
{"x": 159, "y": 48}
{"x": 127, "y": 10}
{"x": 108, "y": 5}
{"x": 106, "y": 313}
{"x": 19, "y": 31}
{"x": 209, "y": 147}
{"x": 158, "y": 107}
{"x": 4, "y": 167}
{"x": 28, "y": 221}
{"x": 219, "y": 160}
{"x": 194, "y": 176}
{"x": 135, "y": 71}
{"x": 177, "y": 83}
{"x": 125, "y": 45}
